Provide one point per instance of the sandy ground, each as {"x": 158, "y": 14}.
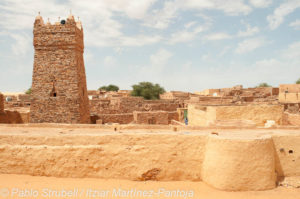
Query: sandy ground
{"x": 76, "y": 129}
{"x": 22, "y": 186}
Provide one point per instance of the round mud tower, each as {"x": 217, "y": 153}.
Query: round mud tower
{"x": 239, "y": 164}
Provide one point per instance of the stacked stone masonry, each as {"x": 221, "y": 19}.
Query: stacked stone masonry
{"x": 59, "y": 92}
{"x": 122, "y": 105}
{"x": 157, "y": 117}
{"x": 1, "y": 103}
{"x": 125, "y": 118}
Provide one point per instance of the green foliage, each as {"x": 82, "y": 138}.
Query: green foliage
{"x": 28, "y": 92}
{"x": 264, "y": 85}
{"x": 147, "y": 90}
{"x": 110, "y": 87}
{"x": 298, "y": 81}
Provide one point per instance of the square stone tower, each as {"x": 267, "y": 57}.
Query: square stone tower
{"x": 59, "y": 91}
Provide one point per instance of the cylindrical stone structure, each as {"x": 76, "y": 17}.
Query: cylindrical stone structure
{"x": 239, "y": 163}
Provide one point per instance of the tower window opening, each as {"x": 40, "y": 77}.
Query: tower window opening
{"x": 53, "y": 93}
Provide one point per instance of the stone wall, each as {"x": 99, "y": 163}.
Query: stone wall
{"x": 1, "y": 103}
{"x": 240, "y": 161}
{"x": 291, "y": 119}
{"x": 122, "y": 105}
{"x": 59, "y": 93}
{"x": 289, "y": 88}
{"x": 175, "y": 95}
{"x": 13, "y": 117}
{"x": 156, "y": 117}
{"x": 289, "y": 97}
{"x": 206, "y": 115}
{"x": 208, "y": 100}
{"x": 199, "y": 115}
{"x": 125, "y": 118}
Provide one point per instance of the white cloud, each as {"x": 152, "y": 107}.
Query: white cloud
{"x": 109, "y": 61}
{"x": 250, "y": 31}
{"x": 283, "y": 10}
{"x": 99, "y": 18}
{"x": 135, "y": 9}
{"x": 190, "y": 24}
{"x": 22, "y": 44}
{"x": 230, "y": 7}
{"x": 225, "y": 50}
{"x": 140, "y": 40}
{"x": 161, "y": 19}
{"x": 293, "y": 51}
{"x": 160, "y": 58}
{"x": 249, "y": 45}
{"x": 186, "y": 35}
{"x": 285, "y": 67}
{"x": 217, "y": 36}
{"x": 295, "y": 24}
{"x": 260, "y": 3}
{"x": 155, "y": 70}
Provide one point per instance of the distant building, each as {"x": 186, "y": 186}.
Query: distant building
{"x": 289, "y": 93}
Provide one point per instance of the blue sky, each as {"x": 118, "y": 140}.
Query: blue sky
{"x": 187, "y": 45}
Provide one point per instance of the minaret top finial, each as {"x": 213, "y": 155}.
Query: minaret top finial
{"x": 48, "y": 22}
{"x": 78, "y": 24}
{"x": 39, "y": 17}
{"x": 71, "y": 17}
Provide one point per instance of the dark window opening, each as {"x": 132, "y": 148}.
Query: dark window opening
{"x": 53, "y": 92}
{"x": 291, "y": 151}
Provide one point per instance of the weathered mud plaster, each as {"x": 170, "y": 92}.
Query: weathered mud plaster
{"x": 232, "y": 160}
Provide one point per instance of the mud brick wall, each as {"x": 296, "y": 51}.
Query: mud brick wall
{"x": 59, "y": 92}
{"x": 12, "y": 117}
{"x": 24, "y": 98}
{"x": 173, "y": 116}
{"x": 164, "y": 106}
{"x": 291, "y": 119}
{"x": 123, "y": 105}
{"x": 130, "y": 104}
{"x": 102, "y": 106}
{"x": 125, "y": 118}
{"x": 157, "y": 117}
{"x": 289, "y": 88}
{"x": 1, "y": 103}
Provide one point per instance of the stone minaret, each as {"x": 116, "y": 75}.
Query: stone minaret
{"x": 59, "y": 91}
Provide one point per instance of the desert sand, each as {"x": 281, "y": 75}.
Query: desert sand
{"x": 99, "y": 188}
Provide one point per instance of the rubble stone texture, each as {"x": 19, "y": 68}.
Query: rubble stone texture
{"x": 59, "y": 91}
{"x": 157, "y": 117}
{"x": 125, "y": 118}
{"x": 1, "y": 103}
